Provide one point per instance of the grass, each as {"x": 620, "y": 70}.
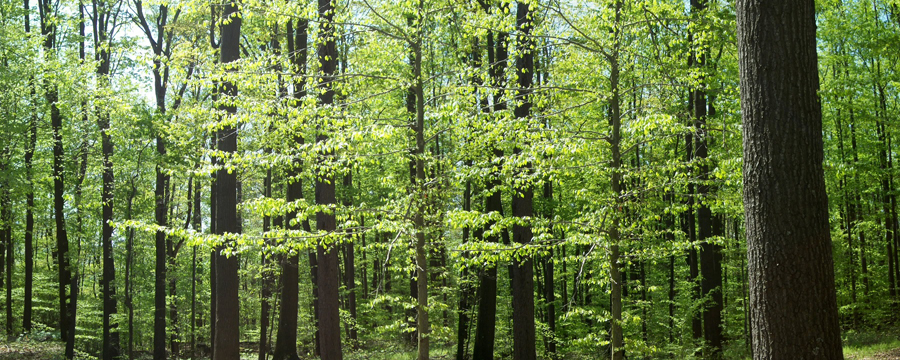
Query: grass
{"x": 871, "y": 345}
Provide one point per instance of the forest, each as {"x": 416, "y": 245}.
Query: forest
{"x": 449, "y": 179}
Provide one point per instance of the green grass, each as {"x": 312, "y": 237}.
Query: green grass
{"x": 871, "y": 345}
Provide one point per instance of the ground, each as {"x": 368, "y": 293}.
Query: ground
{"x": 857, "y": 347}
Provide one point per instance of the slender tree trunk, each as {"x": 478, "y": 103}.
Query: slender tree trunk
{"x": 617, "y": 350}
{"x": 213, "y": 229}
{"x": 197, "y": 226}
{"x": 350, "y": 268}
{"x": 51, "y": 94}
{"x": 7, "y": 240}
{"x": 327, "y": 253}
{"x": 266, "y": 279}
{"x": 286, "y": 340}
{"x": 792, "y": 295}
{"x": 711, "y": 267}
{"x": 423, "y": 326}
{"x": 29, "y": 195}
{"x": 110, "y": 346}
{"x": 227, "y": 321}
{"x": 689, "y": 228}
{"x": 129, "y": 264}
{"x": 486, "y": 322}
{"x": 549, "y": 280}
{"x": 522, "y": 202}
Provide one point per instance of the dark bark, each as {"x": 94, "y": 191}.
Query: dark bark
{"x": 160, "y": 45}
{"x": 227, "y": 340}
{"x": 711, "y": 267}
{"x": 617, "y": 351}
{"x": 466, "y": 292}
{"x": 197, "y": 226}
{"x": 486, "y": 322}
{"x": 327, "y": 252}
{"x": 213, "y": 228}
{"x": 350, "y": 267}
{"x": 522, "y": 202}
{"x": 29, "y": 195}
{"x": 286, "y": 340}
{"x": 51, "y": 95}
{"x": 110, "y": 347}
{"x": 6, "y": 241}
{"x": 423, "y": 325}
{"x": 129, "y": 264}
{"x": 792, "y": 293}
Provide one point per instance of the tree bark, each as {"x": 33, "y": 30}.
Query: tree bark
{"x": 286, "y": 340}
{"x": 350, "y": 266}
{"x": 327, "y": 253}
{"x": 522, "y": 202}
{"x": 617, "y": 350}
{"x": 51, "y": 94}
{"x": 227, "y": 321}
{"x": 29, "y": 196}
{"x": 7, "y": 246}
{"x": 792, "y": 293}
{"x": 110, "y": 347}
{"x": 486, "y": 323}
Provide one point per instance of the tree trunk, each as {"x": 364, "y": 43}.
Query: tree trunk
{"x": 350, "y": 267}
{"x": 522, "y": 202}
{"x": 792, "y": 294}
{"x": 29, "y": 195}
{"x": 423, "y": 326}
{"x": 286, "y": 340}
{"x": 197, "y": 226}
{"x": 227, "y": 340}
{"x": 486, "y": 322}
{"x": 110, "y": 347}
{"x": 7, "y": 242}
{"x": 51, "y": 94}
{"x": 327, "y": 274}
{"x": 617, "y": 350}
{"x": 711, "y": 267}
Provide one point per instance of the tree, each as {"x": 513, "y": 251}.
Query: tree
{"x": 328, "y": 280}
{"x": 105, "y": 21}
{"x": 522, "y": 201}
{"x": 67, "y": 292}
{"x": 286, "y": 342}
{"x": 227, "y": 321}
{"x": 792, "y": 294}
{"x": 29, "y": 196}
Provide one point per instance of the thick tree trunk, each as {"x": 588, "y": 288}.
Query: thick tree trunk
{"x": 227, "y": 340}
{"x": 792, "y": 293}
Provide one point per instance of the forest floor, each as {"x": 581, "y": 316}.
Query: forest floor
{"x": 857, "y": 346}
{"x": 870, "y": 345}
